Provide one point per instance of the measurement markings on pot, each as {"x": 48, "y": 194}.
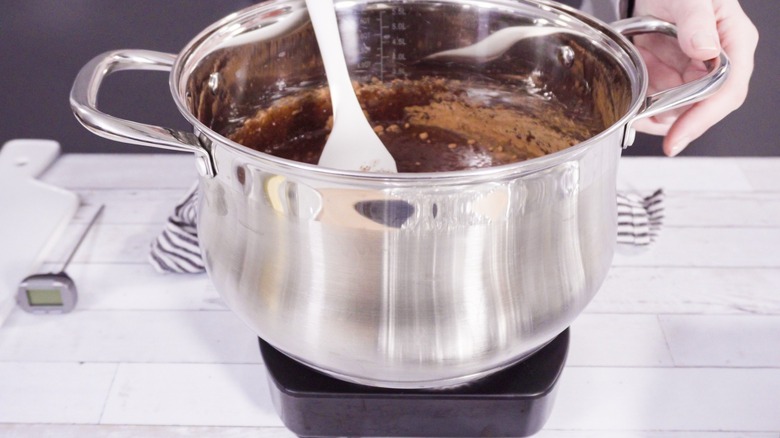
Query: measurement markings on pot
{"x": 384, "y": 56}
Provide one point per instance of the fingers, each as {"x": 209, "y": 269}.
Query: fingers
{"x": 702, "y": 116}
{"x": 697, "y": 29}
{"x": 651, "y": 126}
{"x": 739, "y": 39}
{"x": 704, "y": 27}
{"x": 661, "y": 76}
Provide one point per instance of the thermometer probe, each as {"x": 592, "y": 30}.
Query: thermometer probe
{"x": 52, "y": 292}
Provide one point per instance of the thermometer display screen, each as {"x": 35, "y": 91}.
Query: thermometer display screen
{"x": 47, "y": 293}
{"x": 44, "y": 297}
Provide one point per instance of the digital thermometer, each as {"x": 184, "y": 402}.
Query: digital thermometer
{"x": 47, "y": 293}
{"x": 52, "y": 292}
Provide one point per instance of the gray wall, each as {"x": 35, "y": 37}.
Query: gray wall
{"x": 43, "y": 44}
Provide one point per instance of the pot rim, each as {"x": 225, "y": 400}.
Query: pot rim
{"x": 622, "y": 49}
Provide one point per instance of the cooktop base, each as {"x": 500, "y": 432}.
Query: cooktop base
{"x": 514, "y": 402}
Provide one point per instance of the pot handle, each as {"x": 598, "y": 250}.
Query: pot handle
{"x": 681, "y": 95}
{"x": 83, "y": 101}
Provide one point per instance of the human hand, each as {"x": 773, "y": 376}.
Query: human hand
{"x": 704, "y": 27}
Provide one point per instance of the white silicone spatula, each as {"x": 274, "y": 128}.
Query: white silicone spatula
{"x": 352, "y": 144}
{"x": 497, "y": 43}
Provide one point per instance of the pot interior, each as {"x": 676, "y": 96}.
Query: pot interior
{"x": 257, "y": 79}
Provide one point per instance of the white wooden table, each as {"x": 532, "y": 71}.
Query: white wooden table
{"x": 683, "y": 340}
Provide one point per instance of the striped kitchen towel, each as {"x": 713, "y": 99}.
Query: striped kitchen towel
{"x": 639, "y": 218}
{"x": 176, "y": 248}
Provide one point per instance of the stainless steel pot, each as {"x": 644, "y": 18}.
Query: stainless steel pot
{"x": 416, "y": 279}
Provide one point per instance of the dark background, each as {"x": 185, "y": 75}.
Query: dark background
{"x": 43, "y": 44}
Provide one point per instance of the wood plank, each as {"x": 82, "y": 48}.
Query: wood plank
{"x": 723, "y": 340}
{"x": 667, "y": 399}
{"x": 762, "y": 173}
{"x": 123, "y": 431}
{"x": 138, "y": 206}
{"x": 53, "y": 392}
{"x": 107, "y": 243}
{"x": 219, "y": 337}
{"x": 618, "y": 340}
{"x": 190, "y": 394}
{"x": 123, "y": 171}
{"x": 139, "y": 287}
{"x": 709, "y": 247}
{"x": 689, "y": 290}
{"x": 697, "y": 174}
{"x": 129, "y": 336}
{"x": 689, "y": 209}
{"x": 550, "y": 433}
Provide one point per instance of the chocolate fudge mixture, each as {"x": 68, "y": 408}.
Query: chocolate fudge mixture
{"x": 427, "y": 124}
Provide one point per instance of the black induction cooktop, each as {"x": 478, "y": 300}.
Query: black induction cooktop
{"x": 513, "y": 402}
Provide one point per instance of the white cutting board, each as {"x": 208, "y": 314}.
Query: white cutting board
{"x": 32, "y": 214}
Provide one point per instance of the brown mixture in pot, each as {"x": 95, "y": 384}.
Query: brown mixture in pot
{"x": 427, "y": 124}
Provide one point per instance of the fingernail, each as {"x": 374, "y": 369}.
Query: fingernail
{"x": 678, "y": 147}
{"x": 705, "y": 41}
